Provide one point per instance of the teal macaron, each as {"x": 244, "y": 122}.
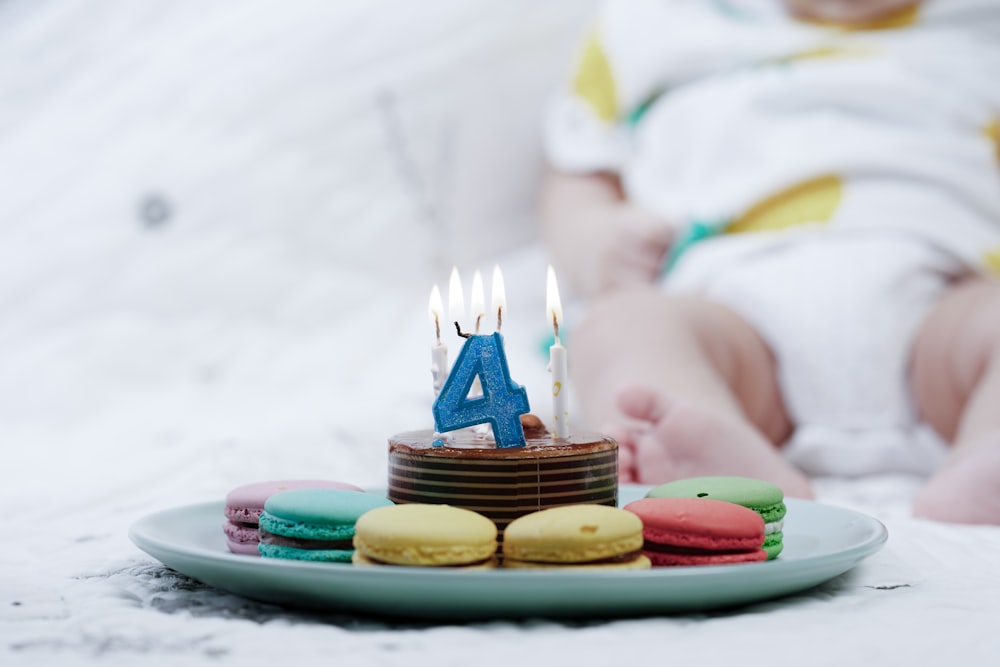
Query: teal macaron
{"x": 314, "y": 524}
{"x": 762, "y": 497}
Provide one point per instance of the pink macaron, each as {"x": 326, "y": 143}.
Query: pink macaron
{"x": 698, "y": 531}
{"x": 245, "y": 503}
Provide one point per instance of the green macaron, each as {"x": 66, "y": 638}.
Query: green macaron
{"x": 314, "y": 524}
{"x": 762, "y": 497}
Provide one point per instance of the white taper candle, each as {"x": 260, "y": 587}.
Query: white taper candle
{"x": 557, "y": 358}
{"x": 439, "y": 351}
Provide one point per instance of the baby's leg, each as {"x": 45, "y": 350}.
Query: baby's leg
{"x": 956, "y": 377}
{"x": 690, "y": 386}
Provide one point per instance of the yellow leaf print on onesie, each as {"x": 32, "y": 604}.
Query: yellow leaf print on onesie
{"x": 594, "y": 82}
{"x": 814, "y": 201}
{"x": 992, "y": 260}
{"x": 992, "y": 132}
{"x": 811, "y": 202}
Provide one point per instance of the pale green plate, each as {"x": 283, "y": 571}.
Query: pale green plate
{"x": 821, "y": 542}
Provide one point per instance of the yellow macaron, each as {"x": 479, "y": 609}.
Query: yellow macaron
{"x": 579, "y": 536}
{"x": 425, "y": 535}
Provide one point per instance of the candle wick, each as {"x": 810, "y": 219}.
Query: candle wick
{"x": 555, "y": 326}
{"x": 479, "y": 318}
{"x": 499, "y": 318}
{"x": 458, "y": 328}
{"x": 437, "y": 328}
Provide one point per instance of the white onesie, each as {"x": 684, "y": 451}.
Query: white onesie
{"x": 865, "y": 162}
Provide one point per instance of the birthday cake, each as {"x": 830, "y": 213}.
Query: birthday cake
{"x": 467, "y": 469}
{"x": 487, "y": 453}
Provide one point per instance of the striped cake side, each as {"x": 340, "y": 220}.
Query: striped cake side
{"x": 504, "y": 484}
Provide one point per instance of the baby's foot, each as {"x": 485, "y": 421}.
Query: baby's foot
{"x": 685, "y": 440}
{"x": 967, "y": 488}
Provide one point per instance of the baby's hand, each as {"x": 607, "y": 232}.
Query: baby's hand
{"x": 634, "y": 246}
{"x": 599, "y": 240}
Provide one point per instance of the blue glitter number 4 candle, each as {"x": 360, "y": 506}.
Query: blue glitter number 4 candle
{"x": 502, "y": 401}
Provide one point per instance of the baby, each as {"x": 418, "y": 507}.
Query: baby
{"x": 787, "y": 218}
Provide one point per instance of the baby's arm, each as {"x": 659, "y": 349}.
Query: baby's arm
{"x": 598, "y": 240}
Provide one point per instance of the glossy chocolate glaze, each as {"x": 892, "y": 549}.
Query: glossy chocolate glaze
{"x": 468, "y": 443}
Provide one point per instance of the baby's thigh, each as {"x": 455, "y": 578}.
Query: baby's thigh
{"x": 953, "y": 349}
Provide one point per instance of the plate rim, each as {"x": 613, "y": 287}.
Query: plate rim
{"x": 817, "y": 568}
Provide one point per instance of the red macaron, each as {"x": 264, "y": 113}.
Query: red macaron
{"x": 698, "y": 531}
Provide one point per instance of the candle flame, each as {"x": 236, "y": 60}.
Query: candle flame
{"x": 478, "y": 299}
{"x": 456, "y": 298}
{"x": 553, "y": 305}
{"x": 435, "y": 309}
{"x": 499, "y": 295}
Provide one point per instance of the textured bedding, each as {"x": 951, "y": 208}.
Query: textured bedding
{"x": 219, "y": 225}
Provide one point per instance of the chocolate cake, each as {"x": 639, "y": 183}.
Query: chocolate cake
{"x": 466, "y": 469}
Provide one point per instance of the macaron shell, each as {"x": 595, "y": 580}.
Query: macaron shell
{"x": 640, "y": 562}
{"x": 763, "y": 497}
{"x": 572, "y": 534}
{"x": 425, "y": 535}
{"x": 490, "y": 563}
{"x": 239, "y": 533}
{"x": 313, "y": 555}
{"x": 771, "y": 513}
{"x": 304, "y": 531}
{"x": 774, "y": 544}
{"x": 245, "y": 503}
{"x": 660, "y": 559}
{"x": 243, "y": 548}
{"x": 329, "y": 507}
{"x": 699, "y": 523}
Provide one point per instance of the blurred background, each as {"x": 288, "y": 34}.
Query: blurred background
{"x": 220, "y": 223}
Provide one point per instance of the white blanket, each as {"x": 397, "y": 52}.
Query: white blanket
{"x": 219, "y": 225}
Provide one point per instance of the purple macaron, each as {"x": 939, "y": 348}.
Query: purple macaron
{"x": 245, "y": 503}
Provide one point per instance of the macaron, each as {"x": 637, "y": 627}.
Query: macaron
{"x": 314, "y": 524}
{"x": 698, "y": 531}
{"x": 762, "y": 497}
{"x": 424, "y": 535}
{"x": 245, "y": 503}
{"x": 575, "y": 536}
